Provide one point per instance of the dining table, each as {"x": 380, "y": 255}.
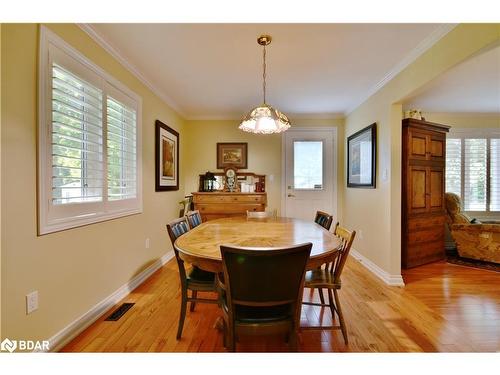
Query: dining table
{"x": 201, "y": 245}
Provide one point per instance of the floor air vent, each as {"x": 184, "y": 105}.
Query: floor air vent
{"x": 120, "y": 311}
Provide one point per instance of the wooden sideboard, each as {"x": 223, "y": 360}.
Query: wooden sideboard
{"x": 214, "y": 205}
{"x": 423, "y": 185}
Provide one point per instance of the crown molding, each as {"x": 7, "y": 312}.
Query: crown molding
{"x": 90, "y": 31}
{"x": 414, "y": 54}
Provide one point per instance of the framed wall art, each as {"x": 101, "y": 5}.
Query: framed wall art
{"x": 361, "y": 158}
{"x": 232, "y": 155}
{"x": 166, "y": 157}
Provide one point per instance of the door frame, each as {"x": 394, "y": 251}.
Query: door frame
{"x": 333, "y": 130}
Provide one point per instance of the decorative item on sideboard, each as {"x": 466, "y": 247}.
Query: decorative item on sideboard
{"x": 209, "y": 181}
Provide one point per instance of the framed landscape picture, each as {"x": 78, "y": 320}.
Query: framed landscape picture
{"x": 166, "y": 157}
{"x": 361, "y": 158}
{"x": 232, "y": 154}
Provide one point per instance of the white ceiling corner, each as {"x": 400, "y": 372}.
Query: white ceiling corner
{"x": 87, "y": 28}
{"x": 423, "y": 46}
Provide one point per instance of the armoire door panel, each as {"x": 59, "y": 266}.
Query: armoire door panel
{"x": 437, "y": 147}
{"x": 436, "y": 189}
{"x": 418, "y": 145}
{"x": 418, "y": 184}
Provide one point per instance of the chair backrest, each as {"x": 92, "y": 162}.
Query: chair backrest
{"x": 258, "y": 214}
{"x": 346, "y": 237}
{"x": 264, "y": 276}
{"x": 177, "y": 228}
{"x": 194, "y": 218}
{"x": 323, "y": 219}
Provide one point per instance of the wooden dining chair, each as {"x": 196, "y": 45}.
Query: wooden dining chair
{"x": 328, "y": 277}
{"x": 194, "y": 218}
{"x": 262, "y": 291}
{"x": 324, "y": 219}
{"x": 196, "y": 281}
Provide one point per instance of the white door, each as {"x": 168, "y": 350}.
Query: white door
{"x": 310, "y": 173}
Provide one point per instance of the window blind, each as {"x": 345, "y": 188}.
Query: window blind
{"x": 122, "y": 153}
{"x": 77, "y": 139}
{"x": 495, "y": 174}
{"x": 454, "y": 166}
{"x": 475, "y": 174}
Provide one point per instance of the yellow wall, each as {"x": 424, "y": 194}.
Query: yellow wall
{"x": 264, "y": 152}
{"x": 0, "y": 185}
{"x": 75, "y": 269}
{"x": 377, "y": 213}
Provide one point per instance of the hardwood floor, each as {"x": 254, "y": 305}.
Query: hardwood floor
{"x": 442, "y": 308}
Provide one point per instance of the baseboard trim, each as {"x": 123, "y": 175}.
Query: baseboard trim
{"x": 64, "y": 336}
{"x": 392, "y": 280}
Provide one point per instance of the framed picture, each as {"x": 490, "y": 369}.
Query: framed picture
{"x": 361, "y": 158}
{"x": 166, "y": 157}
{"x": 232, "y": 154}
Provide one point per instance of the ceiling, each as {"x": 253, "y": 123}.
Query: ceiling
{"x": 214, "y": 71}
{"x": 472, "y": 86}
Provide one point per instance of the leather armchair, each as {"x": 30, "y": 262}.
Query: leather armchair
{"x": 474, "y": 240}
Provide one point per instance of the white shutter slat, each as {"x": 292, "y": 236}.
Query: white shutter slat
{"x": 495, "y": 174}
{"x": 475, "y": 174}
{"x": 121, "y": 150}
{"x": 454, "y": 166}
{"x": 77, "y": 84}
{"x": 77, "y": 139}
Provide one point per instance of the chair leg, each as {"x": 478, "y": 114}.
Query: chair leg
{"x": 231, "y": 345}
{"x": 321, "y": 296}
{"x": 331, "y": 303}
{"x": 224, "y": 333}
{"x": 194, "y": 294}
{"x": 292, "y": 340}
{"x": 341, "y": 317}
{"x": 182, "y": 315}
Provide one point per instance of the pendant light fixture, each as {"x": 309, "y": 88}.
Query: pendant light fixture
{"x": 264, "y": 119}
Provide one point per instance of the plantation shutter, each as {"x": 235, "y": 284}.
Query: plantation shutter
{"x": 495, "y": 174}
{"x": 77, "y": 139}
{"x": 454, "y": 166}
{"x": 475, "y": 174}
{"x": 122, "y": 151}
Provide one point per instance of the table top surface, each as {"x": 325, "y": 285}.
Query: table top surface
{"x": 204, "y": 241}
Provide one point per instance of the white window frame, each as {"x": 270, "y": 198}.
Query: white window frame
{"x": 486, "y": 133}
{"x": 53, "y": 218}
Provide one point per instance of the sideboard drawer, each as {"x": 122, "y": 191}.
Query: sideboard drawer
{"x": 228, "y": 208}
{"x": 219, "y": 198}
{"x": 223, "y": 204}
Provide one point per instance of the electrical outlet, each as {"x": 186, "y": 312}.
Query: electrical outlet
{"x": 148, "y": 243}
{"x": 31, "y": 302}
{"x": 360, "y": 234}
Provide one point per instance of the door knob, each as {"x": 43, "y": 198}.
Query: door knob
{"x": 291, "y": 195}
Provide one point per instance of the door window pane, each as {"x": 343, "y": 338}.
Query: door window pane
{"x": 308, "y": 164}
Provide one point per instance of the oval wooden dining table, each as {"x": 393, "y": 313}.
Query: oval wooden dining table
{"x": 201, "y": 245}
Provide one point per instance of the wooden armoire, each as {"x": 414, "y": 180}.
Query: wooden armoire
{"x": 423, "y": 188}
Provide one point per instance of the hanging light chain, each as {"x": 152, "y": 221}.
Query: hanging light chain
{"x": 264, "y": 73}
